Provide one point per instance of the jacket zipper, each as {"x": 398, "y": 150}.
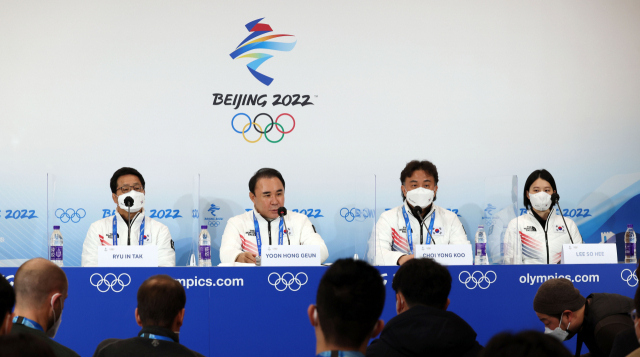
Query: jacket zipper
{"x": 269, "y": 228}
{"x": 546, "y": 240}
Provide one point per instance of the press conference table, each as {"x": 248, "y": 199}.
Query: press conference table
{"x": 261, "y": 311}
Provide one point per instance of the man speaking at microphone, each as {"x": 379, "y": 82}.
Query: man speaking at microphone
{"x": 268, "y": 223}
{"x": 129, "y": 226}
{"x": 418, "y": 220}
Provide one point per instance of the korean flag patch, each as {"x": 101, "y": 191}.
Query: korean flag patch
{"x": 560, "y": 229}
{"x": 437, "y": 231}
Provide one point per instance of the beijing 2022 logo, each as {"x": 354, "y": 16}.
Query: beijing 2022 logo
{"x": 255, "y": 42}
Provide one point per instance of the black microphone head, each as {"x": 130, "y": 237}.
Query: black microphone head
{"x": 282, "y": 211}
{"x": 128, "y": 201}
{"x": 417, "y": 210}
{"x": 555, "y": 197}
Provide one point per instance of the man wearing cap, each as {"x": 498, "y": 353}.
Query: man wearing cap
{"x": 596, "y": 320}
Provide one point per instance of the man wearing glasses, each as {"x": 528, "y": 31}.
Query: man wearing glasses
{"x": 129, "y": 226}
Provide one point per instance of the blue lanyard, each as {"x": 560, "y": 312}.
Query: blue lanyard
{"x": 156, "y": 337}
{"x": 115, "y": 231}
{"x": 409, "y": 232}
{"x": 27, "y": 322}
{"x": 259, "y": 238}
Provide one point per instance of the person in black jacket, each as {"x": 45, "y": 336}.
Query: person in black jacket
{"x": 160, "y": 312}
{"x": 597, "y": 320}
{"x": 7, "y": 300}
{"x": 423, "y": 326}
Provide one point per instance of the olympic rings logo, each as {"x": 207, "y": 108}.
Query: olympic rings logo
{"x": 350, "y": 215}
{"x": 478, "y": 279}
{"x": 631, "y": 277}
{"x": 282, "y": 283}
{"x": 267, "y": 128}
{"x": 110, "y": 283}
{"x": 70, "y": 215}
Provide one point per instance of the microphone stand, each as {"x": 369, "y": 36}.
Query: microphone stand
{"x": 556, "y": 198}
{"x": 417, "y": 211}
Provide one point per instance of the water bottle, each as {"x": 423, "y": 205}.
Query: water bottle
{"x": 55, "y": 246}
{"x": 630, "y": 245}
{"x": 204, "y": 246}
{"x": 481, "y": 247}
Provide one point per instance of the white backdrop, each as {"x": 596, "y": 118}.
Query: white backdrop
{"x": 481, "y": 88}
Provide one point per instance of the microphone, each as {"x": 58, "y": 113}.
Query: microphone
{"x": 283, "y": 212}
{"x": 555, "y": 197}
{"x": 417, "y": 212}
{"x": 128, "y": 201}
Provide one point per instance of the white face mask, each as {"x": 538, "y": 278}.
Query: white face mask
{"x": 558, "y": 333}
{"x": 51, "y": 332}
{"x": 420, "y": 197}
{"x": 138, "y": 201}
{"x": 541, "y": 201}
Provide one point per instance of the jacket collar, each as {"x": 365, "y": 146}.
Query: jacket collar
{"x": 406, "y": 207}
{"x": 136, "y": 218}
{"x": 549, "y": 218}
{"x": 260, "y": 218}
{"x": 160, "y": 331}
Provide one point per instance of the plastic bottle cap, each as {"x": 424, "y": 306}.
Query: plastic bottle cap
{"x": 203, "y": 227}
{"x": 56, "y": 227}
{"x": 481, "y": 226}
{"x": 629, "y": 225}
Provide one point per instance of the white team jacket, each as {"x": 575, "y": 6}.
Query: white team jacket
{"x": 527, "y": 242}
{"x": 100, "y": 234}
{"x": 391, "y": 232}
{"x": 239, "y": 235}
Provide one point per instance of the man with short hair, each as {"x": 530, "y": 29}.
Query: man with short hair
{"x": 418, "y": 220}
{"x": 160, "y": 313}
{"x": 41, "y": 290}
{"x": 596, "y": 320}
{"x": 7, "y": 300}
{"x": 246, "y": 233}
{"x": 349, "y": 303}
{"x": 423, "y": 326}
{"x": 130, "y": 225}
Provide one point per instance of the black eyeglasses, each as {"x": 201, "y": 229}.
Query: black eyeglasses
{"x": 127, "y": 188}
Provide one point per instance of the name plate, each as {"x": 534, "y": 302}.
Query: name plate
{"x": 128, "y": 256}
{"x": 290, "y": 255}
{"x": 445, "y": 254}
{"x": 589, "y": 254}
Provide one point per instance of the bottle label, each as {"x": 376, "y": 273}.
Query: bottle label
{"x": 55, "y": 253}
{"x": 205, "y": 252}
{"x": 630, "y": 249}
{"x": 481, "y": 249}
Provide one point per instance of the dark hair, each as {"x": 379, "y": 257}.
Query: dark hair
{"x": 264, "y": 173}
{"x": 415, "y": 165}
{"x": 636, "y": 299}
{"x": 423, "y": 282}
{"x": 349, "y": 302}
{"x": 24, "y": 345}
{"x": 160, "y": 299}
{"x": 7, "y": 297}
{"x": 526, "y": 344}
{"x": 121, "y": 172}
{"x": 543, "y": 174}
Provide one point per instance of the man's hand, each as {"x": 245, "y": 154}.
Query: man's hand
{"x": 405, "y": 258}
{"x": 246, "y": 257}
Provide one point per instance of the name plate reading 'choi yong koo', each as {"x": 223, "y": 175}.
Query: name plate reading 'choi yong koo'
{"x": 290, "y": 255}
{"x": 446, "y": 254}
{"x": 589, "y": 254}
{"x": 128, "y": 256}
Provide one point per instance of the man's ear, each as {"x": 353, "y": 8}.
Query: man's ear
{"x": 5, "y": 328}
{"x": 252, "y": 197}
{"x": 115, "y": 198}
{"x": 446, "y": 305}
{"x": 435, "y": 189}
{"x": 377, "y": 328}
{"x": 401, "y": 303}
{"x": 180, "y": 318}
{"x": 312, "y": 312}
{"x": 138, "y": 320}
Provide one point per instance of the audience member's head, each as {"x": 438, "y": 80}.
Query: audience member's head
{"x": 161, "y": 301}
{"x": 7, "y": 300}
{"x": 524, "y": 344}
{"x": 422, "y": 282}
{"x": 24, "y": 345}
{"x": 348, "y": 306}
{"x": 636, "y": 305}
{"x": 41, "y": 290}
{"x": 560, "y": 307}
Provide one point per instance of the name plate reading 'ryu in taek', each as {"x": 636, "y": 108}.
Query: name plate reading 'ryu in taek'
{"x": 290, "y": 255}
{"x": 128, "y": 256}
